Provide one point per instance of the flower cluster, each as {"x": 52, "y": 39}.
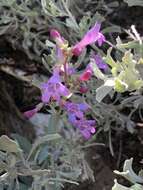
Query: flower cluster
{"x": 61, "y": 85}
{"x": 77, "y": 118}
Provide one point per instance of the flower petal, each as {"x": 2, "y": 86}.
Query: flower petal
{"x": 90, "y": 37}
{"x": 83, "y": 106}
{"x": 64, "y": 91}
{"x": 83, "y": 89}
{"x": 46, "y": 95}
{"x": 30, "y": 113}
{"x": 86, "y": 75}
{"x": 101, "y": 39}
{"x": 86, "y": 134}
{"x": 99, "y": 62}
{"x": 55, "y": 78}
{"x": 92, "y": 130}
{"x": 55, "y": 34}
{"x": 72, "y": 119}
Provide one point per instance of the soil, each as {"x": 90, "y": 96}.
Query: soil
{"x": 14, "y": 99}
{"x": 16, "y": 95}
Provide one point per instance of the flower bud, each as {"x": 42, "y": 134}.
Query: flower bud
{"x": 54, "y": 34}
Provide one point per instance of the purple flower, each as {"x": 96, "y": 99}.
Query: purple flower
{"x": 86, "y": 127}
{"x": 70, "y": 70}
{"x": 77, "y": 119}
{"x": 99, "y": 62}
{"x": 76, "y": 109}
{"x": 90, "y": 37}
{"x": 54, "y": 89}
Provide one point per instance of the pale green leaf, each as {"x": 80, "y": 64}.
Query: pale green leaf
{"x": 120, "y": 86}
{"x": 109, "y": 60}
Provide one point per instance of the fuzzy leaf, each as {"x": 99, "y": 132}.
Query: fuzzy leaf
{"x": 96, "y": 70}
{"x": 23, "y": 142}
{"x": 54, "y": 123}
{"x": 137, "y": 187}
{"x": 134, "y": 2}
{"x": 51, "y": 8}
{"x": 128, "y": 172}
{"x": 103, "y": 90}
{"x": 43, "y": 154}
{"x": 9, "y": 145}
{"x": 84, "y": 24}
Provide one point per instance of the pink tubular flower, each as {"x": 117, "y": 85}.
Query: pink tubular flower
{"x": 83, "y": 89}
{"x": 90, "y": 37}
{"x": 60, "y": 41}
{"x": 86, "y": 75}
{"x": 55, "y": 34}
{"x": 30, "y": 113}
{"x": 54, "y": 89}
